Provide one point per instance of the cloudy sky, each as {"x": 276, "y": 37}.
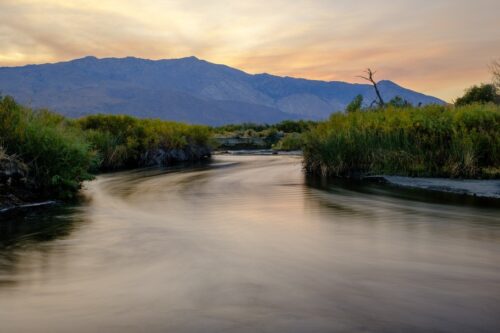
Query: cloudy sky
{"x": 438, "y": 47}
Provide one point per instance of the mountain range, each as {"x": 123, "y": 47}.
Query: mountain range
{"x": 187, "y": 89}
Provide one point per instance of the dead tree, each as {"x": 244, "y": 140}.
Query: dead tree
{"x": 370, "y": 78}
{"x": 495, "y": 71}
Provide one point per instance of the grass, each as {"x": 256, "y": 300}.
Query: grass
{"x": 121, "y": 141}
{"x": 436, "y": 141}
{"x": 57, "y": 155}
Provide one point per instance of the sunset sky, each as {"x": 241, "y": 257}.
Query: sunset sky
{"x": 437, "y": 47}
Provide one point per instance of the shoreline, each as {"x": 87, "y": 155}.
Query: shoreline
{"x": 487, "y": 188}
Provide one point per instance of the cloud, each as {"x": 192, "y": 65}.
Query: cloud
{"x": 438, "y": 48}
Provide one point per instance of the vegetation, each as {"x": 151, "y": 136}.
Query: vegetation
{"x": 495, "y": 73}
{"x": 280, "y": 136}
{"x": 60, "y": 153}
{"x": 429, "y": 141}
{"x": 355, "y": 105}
{"x": 121, "y": 141}
{"x": 291, "y": 141}
{"x": 57, "y": 155}
{"x": 485, "y": 93}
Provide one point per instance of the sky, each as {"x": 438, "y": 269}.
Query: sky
{"x": 437, "y": 47}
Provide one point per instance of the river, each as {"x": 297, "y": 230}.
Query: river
{"x": 248, "y": 244}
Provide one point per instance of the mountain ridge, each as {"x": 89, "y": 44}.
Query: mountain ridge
{"x": 183, "y": 89}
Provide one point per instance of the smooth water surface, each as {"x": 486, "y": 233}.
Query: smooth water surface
{"x": 246, "y": 244}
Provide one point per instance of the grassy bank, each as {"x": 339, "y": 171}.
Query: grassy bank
{"x": 127, "y": 142}
{"x": 441, "y": 141}
{"x": 61, "y": 153}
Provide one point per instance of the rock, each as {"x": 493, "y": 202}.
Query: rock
{"x": 165, "y": 157}
{"x": 12, "y": 171}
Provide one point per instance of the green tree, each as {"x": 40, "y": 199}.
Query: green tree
{"x": 485, "y": 93}
{"x": 355, "y": 104}
{"x": 399, "y": 102}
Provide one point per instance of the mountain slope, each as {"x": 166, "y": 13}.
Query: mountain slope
{"x": 186, "y": 89}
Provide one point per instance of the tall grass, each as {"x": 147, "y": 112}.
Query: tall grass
{"x": 57, "y": 155}
{"x": 61, "y": 153}
{"x": 429, "y": 141}
{"x": 122, "y": 140}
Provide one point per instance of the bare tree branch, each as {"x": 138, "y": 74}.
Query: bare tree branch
{"x": 495, "y": 71}
{"x": 371, "y": 79}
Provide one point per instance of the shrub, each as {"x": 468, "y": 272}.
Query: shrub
{"x": 355, "y": 104}
{"x": 120, "y": 140}
{"x": 485, "y": 93}
{"x": 291, "y": 141}
{"x": 57, "y": 155}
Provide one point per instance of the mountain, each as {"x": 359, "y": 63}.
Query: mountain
{"x": 186, "y": 89}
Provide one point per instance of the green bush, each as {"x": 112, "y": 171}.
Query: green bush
{"x": 57, "y": 155}
{"x": 430, "y": 141}
{"x": 121, "y": 140}
{"x": 485, "y": 93}
{"x": 291, "y": 141}
{"x": 355, "y": 104}
{"x": 61, "y": 153}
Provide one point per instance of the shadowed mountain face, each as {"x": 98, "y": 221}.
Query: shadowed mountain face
{"x": 187, "y": 89}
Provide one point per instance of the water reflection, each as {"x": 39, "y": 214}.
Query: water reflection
{"x": 248, "y": 244}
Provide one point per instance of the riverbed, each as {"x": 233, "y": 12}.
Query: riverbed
{"x": 249, "y": 244}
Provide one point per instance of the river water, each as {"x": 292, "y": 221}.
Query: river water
{"x": 248, "y": 244}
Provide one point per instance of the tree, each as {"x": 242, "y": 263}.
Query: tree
{"x": 495, "y": 71}
{"x": 370, "y": 77}
{"x": 399, "y": 102}
{"x": 485, "y": 93}
{"x": 355, "y": 104}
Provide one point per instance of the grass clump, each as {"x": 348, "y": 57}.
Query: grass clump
{"x": 434, "y": 140}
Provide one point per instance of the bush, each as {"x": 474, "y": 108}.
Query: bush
{"x": 355, "y": 104}
{"x": 121, "y": 140}
{"x": 485, "y": 93}
{"x": 61, "y": 153}
{"x": 291, "y": 141}
{"x": 429, "y": 141}
{"x": 57, "y": 155}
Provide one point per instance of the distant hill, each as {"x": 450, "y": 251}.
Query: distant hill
{"x": 187, "y": 89}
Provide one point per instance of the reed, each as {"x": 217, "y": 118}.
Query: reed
{"x": 436, "y": 141}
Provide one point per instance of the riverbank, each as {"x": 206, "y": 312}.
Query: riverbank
{"x": 471, "y": 187}
{"x": 45, "y": 156}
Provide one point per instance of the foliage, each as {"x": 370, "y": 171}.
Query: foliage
{"x": 256, "y": 136}
{"x": 57, "y": 155}
{"x": 355, "y": 104}
{"x": 485, "y": 93}
{"x": 286, "y": 126}
{"x": 121, "y": 140}
{"x": 62, "y": 153}
{"x": 430, "y": 141}
{"x": 291, "y": 141}
{"x": 294, "y": 126}
{"x": 399, "y": 102}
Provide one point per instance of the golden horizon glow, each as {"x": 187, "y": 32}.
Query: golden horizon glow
{"x": 439, "y": 48}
